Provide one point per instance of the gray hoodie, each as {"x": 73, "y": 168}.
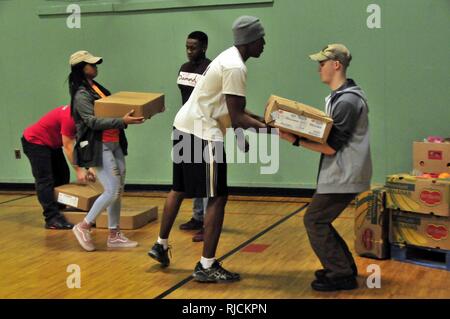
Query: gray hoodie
{"x": 350, "y": 169}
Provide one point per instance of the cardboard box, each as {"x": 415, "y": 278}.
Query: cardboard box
{"x": 297, "y": 118}
{"x": 224, "y": 122}
{"x": 74, "y": 216}
{"x": 431, "y": 157}
{"x": 372, "y": 224}
{"x": 419, "y": 230}
{"x": 118, "y": 104}
{"x": 81, "y": 196}
{"x": 130, "y": 218}
{"x": 418, "y": 195}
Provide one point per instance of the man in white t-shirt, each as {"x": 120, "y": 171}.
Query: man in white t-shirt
{"x": 199, "y": 165}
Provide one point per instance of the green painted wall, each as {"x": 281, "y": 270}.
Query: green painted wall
{"x": 404, "y": 68}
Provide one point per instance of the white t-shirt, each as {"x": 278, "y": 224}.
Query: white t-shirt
{"x": 227, "y": 74}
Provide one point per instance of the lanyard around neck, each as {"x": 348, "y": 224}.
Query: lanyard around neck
{"x": 97, "y": 90}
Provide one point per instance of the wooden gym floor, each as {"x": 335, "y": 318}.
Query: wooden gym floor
{"x": 263, "y": 239}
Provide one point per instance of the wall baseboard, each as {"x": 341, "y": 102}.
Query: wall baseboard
{"x": 237, "y": 190}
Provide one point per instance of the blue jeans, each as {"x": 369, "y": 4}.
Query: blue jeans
{"x": 112, "y": 177}
{"x": 199, "y": 208}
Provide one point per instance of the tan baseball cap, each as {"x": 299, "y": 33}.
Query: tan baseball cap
{"x": 335, "y": 51}
{"x": 84, "y": 56}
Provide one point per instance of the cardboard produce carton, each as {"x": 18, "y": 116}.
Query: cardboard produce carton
{"x": 419, "y": 230}
{"x": 118, "y": 104}
{"x": 372, "y": 224}
{"x": 418, "y": 195}
{"x": 81, "y": 196}
{"x": 298, "y": 118}
{"x": 431, "y": 158}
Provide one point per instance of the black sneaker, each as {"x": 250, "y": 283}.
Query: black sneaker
{"x": 322, "y": 272}
{"x": 335, "y": 284}
{"x": 193, "y": 224}
{"x": 160, "y": 255}
{"x": 198, "y": 237}
{"x": 58, "y": 222}
{"x": 214, "y": 274}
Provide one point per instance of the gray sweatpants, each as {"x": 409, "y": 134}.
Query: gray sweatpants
{"x": 327, "y": 244}
{"x": 199, "y": 208}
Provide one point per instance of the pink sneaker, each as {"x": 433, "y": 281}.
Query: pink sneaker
{"x": 84, "y": 237}
{"x": 120, "y": 241}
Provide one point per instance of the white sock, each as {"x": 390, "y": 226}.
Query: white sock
{"x": 207, "y": 262}
{"x": 163, "y": 242}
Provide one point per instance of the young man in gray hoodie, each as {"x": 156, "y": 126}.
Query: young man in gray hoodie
{"x": 345, "y": 169}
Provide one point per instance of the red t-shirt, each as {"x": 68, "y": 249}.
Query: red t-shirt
{"x": 49, "y": 129}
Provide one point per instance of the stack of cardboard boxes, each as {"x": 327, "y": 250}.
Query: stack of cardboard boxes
{"x": 420, "y": 205}
{"x": 81, "y": 197}
{"x": 411, "y": 210}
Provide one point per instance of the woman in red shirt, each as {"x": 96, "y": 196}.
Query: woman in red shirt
{"x": 43, "y": 143}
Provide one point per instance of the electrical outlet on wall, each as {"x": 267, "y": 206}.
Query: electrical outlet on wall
{"x": 17, "y": 154}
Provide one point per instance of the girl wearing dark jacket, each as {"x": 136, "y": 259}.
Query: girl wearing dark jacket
{"x": 101, "y": 143}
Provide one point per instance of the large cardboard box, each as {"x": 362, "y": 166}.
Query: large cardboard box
{"x": 298, "y": 118}
{"x": 130, "y": 218}
{"x": 419, "y": 230}
{"x": 224, "y": 122}
{"x": 418, "y": 195}
{"x": 372, "y": 224}
{"x": 431, "y": 157}
{"x": 74, "y": 216}
{"x": 81, "y": 196}
{"x": 118, "y": 104}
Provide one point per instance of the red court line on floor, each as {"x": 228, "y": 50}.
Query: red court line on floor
{"x": 255, "y": 248}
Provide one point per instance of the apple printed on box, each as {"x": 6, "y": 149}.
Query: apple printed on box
{"x": 437, "y": 232}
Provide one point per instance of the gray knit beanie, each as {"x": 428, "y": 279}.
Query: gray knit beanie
{"x": 247, "y": 29}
